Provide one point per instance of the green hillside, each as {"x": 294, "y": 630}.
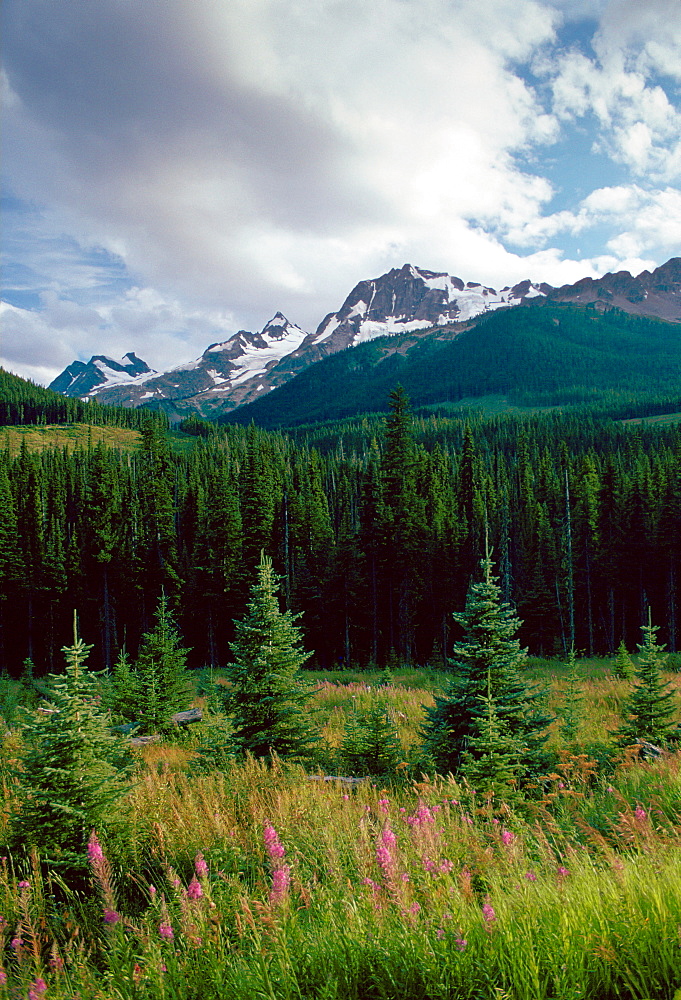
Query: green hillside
{"x": 540, "y": 354}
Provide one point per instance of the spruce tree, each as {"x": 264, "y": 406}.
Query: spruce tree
{"x": 161, "y": 673}
{"x": 268, "y": 699}
{"x": 488, "y": 664}
{"x": 73, "y": 767}
{"x": 648, "y": 713}
{"x": 371, "y": 744}
{"x": 492, "y": 761}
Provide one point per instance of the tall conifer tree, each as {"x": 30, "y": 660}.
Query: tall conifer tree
{"x": 72, "y": 768}
{"x": 488, "y": 665}
{"x": 268, "y": 698}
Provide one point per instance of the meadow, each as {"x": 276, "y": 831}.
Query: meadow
{"x": 226, "y": 878}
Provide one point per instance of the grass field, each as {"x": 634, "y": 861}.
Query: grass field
{"x": 234, "y": 879}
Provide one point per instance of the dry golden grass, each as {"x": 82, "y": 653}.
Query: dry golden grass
{"x": 69, "y": 436}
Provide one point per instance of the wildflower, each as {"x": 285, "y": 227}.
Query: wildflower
{"x": 273, "y": 845}
{"x": 94, "y": 849}
{"x": 16, "y": 943}
{"x": 446, "y": 866}
{"x": 414, "y": 909}
{"x": 111, "y": 916}
{"x": 24, "y": 884}
{"x": 166, "y": 931}
{"x": 640, "y": 813}
{"x": 200, "y": 866}
{"x": 530, "y": 876}
{"x": 37, "y": 990}
{"x": 460, "y": 943}
{"x": 384, "y": 805}
{"x": 281, "y": 878}
{"x": 507, "y": 837}
{"x": 562, "y": 872}
{"x": 439, "y": 933}
{"x": 346, "y": 798}
{"x": 152, "y": 891}
{"x": 488, "y": 915}
{"x": 194, "y": 890}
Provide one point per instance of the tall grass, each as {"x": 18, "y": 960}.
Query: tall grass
{"x": 268, "y": 882}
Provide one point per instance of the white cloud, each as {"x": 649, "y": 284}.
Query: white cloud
{"x": 243, "y": 157}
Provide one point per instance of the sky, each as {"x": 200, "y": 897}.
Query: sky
{"x": 177, "y": 170}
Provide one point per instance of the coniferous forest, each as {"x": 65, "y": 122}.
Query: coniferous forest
{"x": 376, "y": 525}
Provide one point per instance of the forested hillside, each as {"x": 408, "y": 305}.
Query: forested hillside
{"x": 377, "y": 533}
{"x": 538, "y": 354}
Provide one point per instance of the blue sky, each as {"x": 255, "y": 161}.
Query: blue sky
{"x": 176, "y": 171}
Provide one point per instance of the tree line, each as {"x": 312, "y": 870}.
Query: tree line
{"x": 376, "y": 526}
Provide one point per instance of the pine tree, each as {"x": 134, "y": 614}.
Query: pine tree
{"x": 371, "y": 744}
{"x": 73, "y": 768}
{"x": 571, "y": 712}
{"x": 624, "y": 667}
{"x": 492, "y": 761}
{"x": 268, "y": 699}
{"x": 161, "y": 673}
{"x": 648, "y": 713}
{"x": 488, "y": 664}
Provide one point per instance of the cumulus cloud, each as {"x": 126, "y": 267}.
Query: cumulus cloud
{"x": 237, "y": 158}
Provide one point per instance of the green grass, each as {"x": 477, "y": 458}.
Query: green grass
{"x": 386, "y": 889}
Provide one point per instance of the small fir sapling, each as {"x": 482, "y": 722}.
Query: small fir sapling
{"x": 648, "y": 713}
{"x": 268, "y": 699}
{"x": 73, "y": 767}
{"x": 492, "y": 761}
{"x": 488, "y": 662}
{"x": 570, "y": 711}
{"x": 161, "y": 674}
{"x": 623, "y": 667}
{"x": 371, "y": 744}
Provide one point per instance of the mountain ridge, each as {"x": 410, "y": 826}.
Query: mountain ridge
{"x": 402, "y": 302}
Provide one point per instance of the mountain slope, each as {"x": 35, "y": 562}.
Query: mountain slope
{"x": 405, "y": 302}
{"x": 538, "y": 350}
{"x": 234, "y": 372}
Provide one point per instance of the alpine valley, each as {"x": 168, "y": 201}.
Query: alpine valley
{"x": 443, "y": 338}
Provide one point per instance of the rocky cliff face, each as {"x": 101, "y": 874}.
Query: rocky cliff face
{"x": 406, "y": 299}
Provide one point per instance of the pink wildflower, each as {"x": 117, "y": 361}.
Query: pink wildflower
{"x": 488, "y": 915}
{"x": 200, "y": 866}
{"x": 152, "y": 891}
{"x": 507, "y": 837}
{"x": 460, "y": 944}
{"x": 439, "y": 933}
{"x": 640, "y": 813}
{"x": 94, "y": 849}
{"x": 166, "y": 931}
{"x": 194, "y": 890}
{"x": 414, "y": 909}
{"x": 37, "y": 990}
{"x": 530, "y": 876}
{"x": 281, "y": 879}
{"x": 446, "y": 867}
{"x": 273, "y": 845}
{"x": 110, "y": 916}
{"x": 24, "y": 884}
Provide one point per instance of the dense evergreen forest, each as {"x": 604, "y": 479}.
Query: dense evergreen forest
{"x": 376, "y": 525}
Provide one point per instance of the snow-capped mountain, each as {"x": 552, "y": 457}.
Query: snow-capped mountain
{"x": 81, "y": 380}
{"x": 405, "y": 300}
{"x": 234, "y": 367}
{"x": 411, "y": 298}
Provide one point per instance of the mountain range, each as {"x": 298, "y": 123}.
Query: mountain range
{"x": 414, "y": 307}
